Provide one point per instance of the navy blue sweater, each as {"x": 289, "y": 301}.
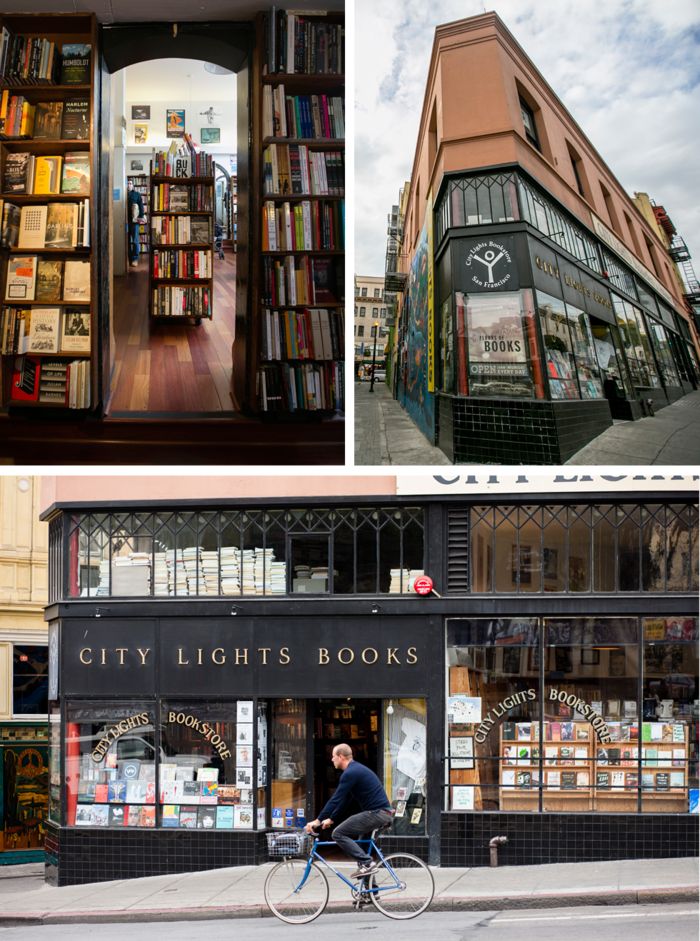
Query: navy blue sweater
{"x": 359, "y": 782}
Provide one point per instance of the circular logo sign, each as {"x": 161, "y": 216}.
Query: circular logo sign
{"x": 488, "y": 262}
{"x": 423, "y": 585}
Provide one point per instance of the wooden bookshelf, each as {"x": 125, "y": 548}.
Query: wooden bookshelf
{"x": 140, "y": 181}
{"x": 181, "y": 264}
{"x": 36, "y": 87}
{"x": 298, "y": 292}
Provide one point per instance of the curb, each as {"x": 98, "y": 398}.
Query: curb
{"x": 655, "y": 896}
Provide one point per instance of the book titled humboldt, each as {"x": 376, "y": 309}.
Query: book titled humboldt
{"x": 75, "y": 63}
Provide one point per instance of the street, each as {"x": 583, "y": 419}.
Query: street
{"x": 641, "y": 922}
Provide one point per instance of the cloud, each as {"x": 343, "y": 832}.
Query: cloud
{"x": 628, "y": 70}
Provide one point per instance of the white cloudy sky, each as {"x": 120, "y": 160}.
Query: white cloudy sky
{"x": 628, "y": 70}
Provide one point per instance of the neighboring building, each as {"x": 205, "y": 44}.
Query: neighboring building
{"x": 370, "y": 309}
{"x": 539, "y": 302}
{"x": 394, "y": 280}
{"x": 24, "y": 775}
{"x": 212, "y": 650}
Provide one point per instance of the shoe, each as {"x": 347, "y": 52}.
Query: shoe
{"x": 366, "y": 869}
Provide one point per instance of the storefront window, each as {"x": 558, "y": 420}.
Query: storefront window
{"x": 405, "y": 764}
{"x": 206, "y": 765}
{"x": 669, "y": 739}
{"x": 584, "y": 354}
{"x": 561, "y": 365}
{"x": 30, "y": 679}
{"x": 447, "y": 349}
{"x": 609, "y": 548}
{"x": 55, "y": 764}
{"x": 636, "y": 344}
{"x": 110, "y": 765}
{"x": 289, "y": 779}
{"x": 610, "y": 357}
{"x": 246, "y": 553}
{"x": 591, "y": 715}
{"x": 498, "y": 349}
{"x": 664, "y": 357}
{"x": 493, "y": 711}
{"x": 477, "y": 201}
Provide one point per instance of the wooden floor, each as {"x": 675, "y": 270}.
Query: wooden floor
{"x": 176, "y": 367}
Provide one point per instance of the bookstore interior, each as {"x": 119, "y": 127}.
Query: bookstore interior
{"x": 180, "y": 278}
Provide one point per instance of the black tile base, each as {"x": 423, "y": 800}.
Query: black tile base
{"x": 506, "y": 431}
{"x": 76, "y": 856}
{"x": 566, "y": 838}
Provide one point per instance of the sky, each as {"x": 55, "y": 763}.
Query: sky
{"x": 627, "y": 70}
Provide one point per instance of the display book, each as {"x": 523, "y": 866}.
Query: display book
{"x": 299, "y": 335}
{"x": 573, "y": 759}
{"x": 288, "y": 792}
{"x": 181, "y": 233}
{"x": 140, "y": 181}
{"x": 45, "y": 270}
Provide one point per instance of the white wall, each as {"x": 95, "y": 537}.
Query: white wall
{"x": 224, "y": 118}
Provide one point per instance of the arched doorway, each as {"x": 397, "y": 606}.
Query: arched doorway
{"x": 230, "y": 47}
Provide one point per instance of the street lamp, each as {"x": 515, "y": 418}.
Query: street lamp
{"x": 375, "y": 327}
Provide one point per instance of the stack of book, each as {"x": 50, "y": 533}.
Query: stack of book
{"x": 230, "y": 571}
{"x": 191, "y": 561}
{"x": 131, "y": 574}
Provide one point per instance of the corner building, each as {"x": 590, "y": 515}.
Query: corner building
{"x": 206, "y": 655}
{"x": 538, "y": 304}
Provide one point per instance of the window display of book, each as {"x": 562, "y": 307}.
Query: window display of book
{"x": 181, "y": 203}
{"x": 46, "y": 138}
{"x": 298, "y": 280}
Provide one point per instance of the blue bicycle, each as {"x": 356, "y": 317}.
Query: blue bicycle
{"x": 297, "y": 890}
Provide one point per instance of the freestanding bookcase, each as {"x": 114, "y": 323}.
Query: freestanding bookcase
{"x": 32, "y": 72}
{"x": 298, "y": 293}
{"x": 181, "y": 262}
{"x": 140, "y": 181}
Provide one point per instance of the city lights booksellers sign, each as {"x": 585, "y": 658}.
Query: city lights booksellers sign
{"x": 489, "y": 265}
{"x": 584, "y": 709}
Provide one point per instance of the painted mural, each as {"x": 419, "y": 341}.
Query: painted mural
{"x": 418, "y": 402}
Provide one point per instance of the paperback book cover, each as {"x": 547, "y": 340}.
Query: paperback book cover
{"x": 170, "y": 815}
{"x": 16, "y": 172}
{"x": 76, "y": 173}
{"x": 75, "y": 63}
{"x": 76, "y": 119}
{"x": 47, "y": 175}
{"x": 75, "y": 335}
{"x": 61, "y": 225}
{"x": 76, "y": 281}
{"x": 44, "y": 330}
{"x": 243, "y": 816}
{"x": 47, "y": 120}
{"x": 21, "y": 278}
{"x": 49, "y": 280}
{"x": 206, "y": 818}
{"x": 224, "y": 818}
{"x": 118, "y": 815}
{"x": 188, "y": 818}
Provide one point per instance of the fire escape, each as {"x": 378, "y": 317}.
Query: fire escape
{"x": 680, "y": 256}
{"x": 394, "y": 280}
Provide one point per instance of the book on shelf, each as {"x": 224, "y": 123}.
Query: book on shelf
{"x": 44, "y": 330}
{"x": 76, "y": 280}
{"x": 61, "y": 225}
{"x": 76, "y": 173}
{"x": 316, "y": 117}
{"x": 25, "y": 380}
{"x": 75, "y": 63}
{"x": 21, "y": 278}
{"x": 75, "y": 331}
{"x": 32, "y": 227}
{"x": 10, "y": 215}
{"x": 76, "y": 119}
{"x": 298, "y": 43}
{"x": 47, "y": 175}
{"x": 17, "y": 115}
{"x": 19, "y": 173}
{"x": 48, "y": 120}
{"x": 28, "y": 60}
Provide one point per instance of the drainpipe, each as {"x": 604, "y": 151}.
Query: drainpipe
{"x": 494, "y": 843}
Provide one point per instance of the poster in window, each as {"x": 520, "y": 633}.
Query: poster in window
{"x": 617, "y": 663}
{"x": 462, "y": 798}
{"x": 461, "y": 752}
{"x": 521, "y": 564}
{"x": 464, "y": 709}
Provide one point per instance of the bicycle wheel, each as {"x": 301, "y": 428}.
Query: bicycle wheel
{"x": 402, "y": 887}
{"x": 291, "y": 901}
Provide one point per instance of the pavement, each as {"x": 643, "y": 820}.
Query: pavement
{"x": 384, "y": 434}
{"x": 237, "y": 892}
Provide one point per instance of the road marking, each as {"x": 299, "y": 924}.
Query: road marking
{"x": 504, "y": 921}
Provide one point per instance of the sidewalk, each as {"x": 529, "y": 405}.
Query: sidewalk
{"x": 384, "y": 434}
{"x": 238, "y": 893}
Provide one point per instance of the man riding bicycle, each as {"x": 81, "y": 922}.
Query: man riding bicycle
{"x": 358, "y": 782}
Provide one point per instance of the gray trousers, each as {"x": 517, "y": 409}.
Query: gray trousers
{"x": 357, "y": 826}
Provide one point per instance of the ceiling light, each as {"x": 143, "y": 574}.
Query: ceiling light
{"x": 216, "y": 69}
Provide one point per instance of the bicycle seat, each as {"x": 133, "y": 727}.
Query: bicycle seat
{"x": 386, "y": 826}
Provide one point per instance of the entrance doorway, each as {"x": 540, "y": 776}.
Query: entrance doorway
{"x": 352, "y": 721}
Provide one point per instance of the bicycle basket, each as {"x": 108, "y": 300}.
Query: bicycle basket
{"x": 288, "y": 844}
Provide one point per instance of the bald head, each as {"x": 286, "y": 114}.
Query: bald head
{"x": 342, "y": 756}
